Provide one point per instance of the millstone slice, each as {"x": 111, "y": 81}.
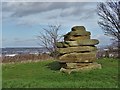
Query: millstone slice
{"x": 88, "y": 42}
{"x": 74, "y": 65}
{"x": 61, "y": 44}
{"x": 73, "y": 38}
{"x": 82, "y": 28}
{"x": 87, "y": 68}
{"x": 78, "y": 57}
{"x": 72, "y": 43}
{"x": 70, "y": 65}
{"x": 80, "y": 65}
{"x": 76, "y": 49}
{"x": 81, "y": 33}
{"x": 78, "y": 33}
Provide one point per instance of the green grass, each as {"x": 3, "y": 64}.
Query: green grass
{"x": 0, "y": 76}
{"x": 45, "y": 74}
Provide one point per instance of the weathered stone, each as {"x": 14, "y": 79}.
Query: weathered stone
{"x": 81, "y": 33}
{"x": 73, "y": 38}
{"x": 78, "y": 57}
{"x": 79, "y": 65}
{"x": 78, "y": 33}
{"x": 86, "y": 68}
{"x": 61, "y": 44}
{"x": 82, "y": 28}
{"x": 86, "y": 42}
{"x": 75, "y": 65}
{"x": 72, "y": 43}
{"x": 76, "y": 49}
{"x": 71, "y": 65}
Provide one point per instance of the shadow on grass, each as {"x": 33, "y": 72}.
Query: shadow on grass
{"x": 54, "y": 65}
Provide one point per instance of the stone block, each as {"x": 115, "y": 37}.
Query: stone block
{"x": 78, "y": 57}
{"x": 76, "y": 49}
{"x": 72, "y": 43}
{"x": 75, "y": 65}
{"x": 86, "y": 68}
{"x": 86, "y": 42}
{"x": 82, "y": 28}
{"x": 78, "y": 33}
{"x": 71, "y": 65}
{"x": 73, "y": 38}
{"x": 61, "y": 44}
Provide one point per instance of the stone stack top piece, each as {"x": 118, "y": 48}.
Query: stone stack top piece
{"x": 75, "y": 28}
{"x": 78, "y": 31}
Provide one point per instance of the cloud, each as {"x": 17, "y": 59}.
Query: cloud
{"x": 44, "y": 13}
{"x": 20, "y": 9}
{"x": 54, "y": 0}
{"x": 27, "y": 8}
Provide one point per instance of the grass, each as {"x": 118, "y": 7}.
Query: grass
{"x": 45, "y": 74}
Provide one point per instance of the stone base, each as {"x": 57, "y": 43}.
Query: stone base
{"x": 79, "y": 69}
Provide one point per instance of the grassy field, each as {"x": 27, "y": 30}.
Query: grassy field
{"x": 45, "y": 74}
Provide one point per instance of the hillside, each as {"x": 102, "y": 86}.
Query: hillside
{"x": 45, "y": 74}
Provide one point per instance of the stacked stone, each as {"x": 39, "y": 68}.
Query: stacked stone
{"x": 78, "y": 51}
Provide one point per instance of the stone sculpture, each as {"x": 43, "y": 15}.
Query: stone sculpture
{"x": 78, "y": 51}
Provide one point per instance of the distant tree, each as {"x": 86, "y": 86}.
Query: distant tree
{"x": 49, "y": 37}
{"x": 109, "y": 13}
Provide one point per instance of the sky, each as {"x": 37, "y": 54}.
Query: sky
{"x": 22, "y": 21}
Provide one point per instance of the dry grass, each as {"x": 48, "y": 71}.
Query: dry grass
{"x": 26, "y": 57}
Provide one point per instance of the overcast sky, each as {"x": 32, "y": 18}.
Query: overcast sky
{"x": 22, "y": 21}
